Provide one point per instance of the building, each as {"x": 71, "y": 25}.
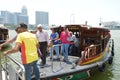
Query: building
{"x": 42, "y": 18}
{"x": 8, "y": 17}
{"x": 23, "y": 19}
{"x": 14, "y": 18}
{"x": 112, "y": 25}
{"x": 24, "y": 10}
{"x": 1, "y": 20}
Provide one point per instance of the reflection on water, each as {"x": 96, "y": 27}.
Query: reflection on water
{"x": 111, "y": 72}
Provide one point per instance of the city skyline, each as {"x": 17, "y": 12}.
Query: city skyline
{"x": 68, "y": 11}
{"x": 15, "y": 18}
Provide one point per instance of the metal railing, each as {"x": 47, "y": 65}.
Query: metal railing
{"x": 13, "y": 69}
{"x": 52, "y": 67}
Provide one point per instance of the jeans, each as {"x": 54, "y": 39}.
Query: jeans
{"x": 56, "y": 48}
{"x": 65, "y": 50}
{"x": 72, "y": 50}
{"x": 29, "y": 70}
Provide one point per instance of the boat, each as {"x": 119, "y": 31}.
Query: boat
{"x": 3, "y": 34}
{"x": 96, "y": 48}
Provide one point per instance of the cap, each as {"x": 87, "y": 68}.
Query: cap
{"x": 39, "y": 25}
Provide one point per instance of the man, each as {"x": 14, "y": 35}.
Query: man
{"x": 43, "y": 39}
{"x": 73, "y": 45}
{"x": 28, "y": 44}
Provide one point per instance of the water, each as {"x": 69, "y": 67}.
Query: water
{"x": 112, "y": 72}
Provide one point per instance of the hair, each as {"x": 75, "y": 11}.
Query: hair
{"x": 17, "y": 29}
{"x": 23, "y": 25}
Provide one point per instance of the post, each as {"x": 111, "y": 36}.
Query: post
{"x": 0, "y": 68}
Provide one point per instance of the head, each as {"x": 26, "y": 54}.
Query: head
{"x": 52, "y": 29}
{"x": 39, "y": 26}
{"x": 18, "y": 30}
{"x": 71, "y": 33}
{"x": 66, "y": 29}
{"x": 22, "y": 27}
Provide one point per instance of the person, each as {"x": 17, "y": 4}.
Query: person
{"x": 11, "y": 40}
{"x": 54, "y": 38}
{"x": 43, "y": 39}
{"x": 64, "y": 36}
{"x": 29, "y": 56}
{"x": 73, "y": 44}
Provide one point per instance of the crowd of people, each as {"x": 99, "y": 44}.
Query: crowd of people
{"x": 30, "y": 45}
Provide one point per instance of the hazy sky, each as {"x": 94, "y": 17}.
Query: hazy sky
{"x": 68, "y": 11}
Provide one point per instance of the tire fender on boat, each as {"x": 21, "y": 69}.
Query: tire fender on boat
{"x": 110, "y": 60}
{"x": 101, "y": 67}
{"x": 112, "y": 51}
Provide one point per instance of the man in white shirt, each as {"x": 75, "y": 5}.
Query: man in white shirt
{"x": 43, "y": 39}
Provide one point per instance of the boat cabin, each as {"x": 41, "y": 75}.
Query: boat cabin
{"x": 3, "y": 34}
{"x": 94, "y": 38}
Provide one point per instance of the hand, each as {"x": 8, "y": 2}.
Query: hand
{"x": 5, "y": 53}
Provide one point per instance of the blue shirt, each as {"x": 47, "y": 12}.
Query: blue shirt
{"x": 53, "y": 36}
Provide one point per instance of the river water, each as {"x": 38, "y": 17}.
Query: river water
{"x": 112, "y": 72}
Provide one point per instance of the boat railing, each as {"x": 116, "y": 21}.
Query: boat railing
{"x": 52, "y": 63}
{"x": 13, "y": 70}
{"x": 90, "y": 51}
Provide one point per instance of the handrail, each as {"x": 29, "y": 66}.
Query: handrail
{"x": 15, "y": 61}
{"x": 52, "y": 56}
{"x": 89, "y": 51}
{"x": 19, "y": 73}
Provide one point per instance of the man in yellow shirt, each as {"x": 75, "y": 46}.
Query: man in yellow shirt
{"x": 29, "y": 56}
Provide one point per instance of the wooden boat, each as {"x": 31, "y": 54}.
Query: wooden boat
{"x": 93, "y": 42}
{"x": 95, "y": 48}
{"x": 3, "y": 34}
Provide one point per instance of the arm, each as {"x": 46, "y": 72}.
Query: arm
{"x": 8, "y": 41}
{"x": 15, "y": 49}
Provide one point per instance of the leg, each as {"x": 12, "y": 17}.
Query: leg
{"x": 27, "y": 71}
{"x": 43, "y": 48}
{"x": 57, "y": 51}
{"x": 63, "y": 50}
{"x": 36, "y": 70}
{"x": 51, "y": 52}
{"x": 66, "y": 51}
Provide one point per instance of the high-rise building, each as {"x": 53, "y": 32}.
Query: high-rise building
{"x": 8, "y": 17}
{"x": 1, "y": 20}
{"x": 23, "y": 19}
{"x": 24, "y": 10}
{"x": 15, "y": 18}
{"x": 42, "y": 18}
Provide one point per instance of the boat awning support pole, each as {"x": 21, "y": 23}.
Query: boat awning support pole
{"x": 0, "y": 68}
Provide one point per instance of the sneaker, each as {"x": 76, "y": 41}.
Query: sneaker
{"x": 45, "y": 65}
{"x": 67, "y": 61}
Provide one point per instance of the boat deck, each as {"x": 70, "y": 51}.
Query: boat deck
{"x": 56, "y": 68}
{"x": 60, "y": 68}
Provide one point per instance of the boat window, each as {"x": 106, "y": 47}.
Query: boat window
{"x": 89, "y": 41}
